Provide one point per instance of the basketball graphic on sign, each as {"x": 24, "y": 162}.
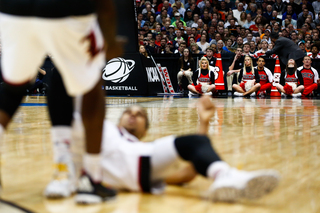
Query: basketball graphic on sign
{"x": 117, "y": 70}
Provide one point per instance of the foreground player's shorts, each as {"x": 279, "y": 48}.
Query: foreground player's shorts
{"x": 75, "y": 44}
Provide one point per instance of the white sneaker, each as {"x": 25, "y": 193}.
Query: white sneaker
{"x": 63, "y": 183}
{"x": 296, "y": 95}
{"x": 262, "y": 94}
{"x": 60, "y": 189}
{"x": 238, "y": 94}
{"x": 253, "y": 94}
{"x": 234, "y": 184}
{"x": 283, "y": 94}
{"x": 207, "y": 93}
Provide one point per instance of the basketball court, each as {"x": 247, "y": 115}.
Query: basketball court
{"x": 249, "y": 134}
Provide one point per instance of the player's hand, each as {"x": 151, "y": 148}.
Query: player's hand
{"x": 115, "y": 49}
{"x": 206, "y": 109}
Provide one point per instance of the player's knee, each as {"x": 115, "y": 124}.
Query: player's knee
{"x": 187, "y": 146}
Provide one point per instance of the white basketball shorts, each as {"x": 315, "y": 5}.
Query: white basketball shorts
{"x": 75, "y": 44}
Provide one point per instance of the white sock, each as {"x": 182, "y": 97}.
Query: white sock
{"x": 61, "y": 138}
{"x": 92, "y": 166}
{"x": 215, "y": 168}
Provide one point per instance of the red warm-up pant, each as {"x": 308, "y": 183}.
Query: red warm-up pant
{"x": 265, "y": 87}
{"x": 307, "y": 90}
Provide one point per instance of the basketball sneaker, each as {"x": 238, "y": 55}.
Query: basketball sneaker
{"x": 253, "y": 94}
{"x": 233, "y": 184}
{"x": 92, "y": 193}
{"x": 63, "y": 183}
{"x": 296, "y": 95}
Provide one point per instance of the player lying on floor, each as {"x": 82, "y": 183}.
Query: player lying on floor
{"x": 137, "y": 166}
{"x": 291, "y": 81}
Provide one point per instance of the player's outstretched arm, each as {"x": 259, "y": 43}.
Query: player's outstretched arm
{"x": 206, "y": 110}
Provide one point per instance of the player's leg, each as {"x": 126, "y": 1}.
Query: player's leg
{"x": 80, "y": 59}
{"x": 230, "y": 184}
{"x": 239, "y": 89}
{"x": 264, "y": 88}
{"x": 280, "y": 88}
{"x": 60, "y": 107}
{"x": 308, "y": 90}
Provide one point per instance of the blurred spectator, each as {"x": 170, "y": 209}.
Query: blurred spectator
{"x": 253, "y": 47}
{"x": 172, "y": 33}
{"x": 140, "y": 20}
{"x": 316, "y": 6}
{"x": 302, "y": 17}
{"x": 162, "y": 47}
{"x": 249, "y": 38}
{"x": 203, "y": 44}
{"x": 248, "y": 22}
{"x": 170, "y": 48}
{"x": 294, "y": 37}
{"x": 180, "y": 49}
{"x": 243, "y": 19}
{"x": 195, "y": 49}
{"x": 188, "y": 16}
{"x": 152, "y": 22}
{"x": 279, "y": 6}
{"x": 246, "y": 50}
{"x": 143, "y": 51}
{"x": 139, "y": 8}
{"x": 302, "y": 46}
{"x": 164, "y": 13}
{"x": 239, "y": 43}
{"x": 228, "y": 45}
{"x": 209, "y": 55}
{"x": 237, "y": 12}
{"x": 253, "y": 10}
{"x": 294, "y": 7}
{"x": 205, "y": 17}
{"x": 177, "y": 17}
{"x": 167, "y": 5}
{"x": 275, "y": 18}
{"x": 314, "y": 54}
{"x": 148, "y": 8}
{"x": 308, "y": 46}
{"x": 264, "y": 49}
{"x": 268, "y": 13}
{"x": 276, "y": 28}
{"x": 291, "y": 12}
{"x": 178, "y": 38}
{"x": 180, "y": 8}
{"x": 158, "y": 40}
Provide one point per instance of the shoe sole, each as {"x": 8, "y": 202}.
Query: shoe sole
{"x": 259, "y": 186}
{"x": 87, "y": 199}
{"x": 227, "y": 194}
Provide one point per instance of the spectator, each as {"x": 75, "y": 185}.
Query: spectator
{"x": 253, "y": 10}
{"x": 188, "y": 16}
{"x": 279, "y": 6}
{"x": 203, "y": 76}
{"x": 209, "y": 55}
{"x": 228, "y": 46}
{"x": 182, "y": 46}
{"x": 302, "y": 18}
{"x": 294, "y": 37}
{"x": 205, "y": 17}
{"x": 187, "y": 66}
{"x": 243, "y": 19}
{"x": 268, "y": 13}
{"x": 249, "y": 79}
{"x": 178, "y": 38}
{"x": 177, "y": 20}
{"x": 239, "y": 43}
{"x": 275, "y": 18}
{"x": 195, "y": 49}
{"x": 140, "y": 20}
{"x": 290, "y": 20}
{"x": 237, "y": 12}
{"x": 290, "y": 78}
{"x": 294, "y": 7}
{"x": 180, "y": 8}
{"x": 264, "y": 49}
{"x": 162, "y": 47}
{"x": 170, "y": 48}
{"x": 253, "y": 47}
{"x": 203, "y": 44}
{"x": 148, "y": 8}
{"x": 291, "y": 12}
{"x": 248, "y": 22}
{"x": 164, "y": 13}
{"x": 246, "y": 50}
{"x": 143, "y": 51}
{"x": 314, "y": 54}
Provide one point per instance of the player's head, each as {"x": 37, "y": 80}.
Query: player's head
{"x": 135, "y": 120}
{"x": 261, "y": 62}
{"x": 204, "y": 63}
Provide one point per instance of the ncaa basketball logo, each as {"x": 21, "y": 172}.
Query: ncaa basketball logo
{"x": 117, "y": 70}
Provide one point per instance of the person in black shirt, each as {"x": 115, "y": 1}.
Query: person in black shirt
{"x": 187, "y": 64}
{"x": 203, "y": 79}
{"x": 291, "y": 81}
{"x": 234, "y": 68}
{"x": 249, "y": 79}
{"x": 209, "y": 55}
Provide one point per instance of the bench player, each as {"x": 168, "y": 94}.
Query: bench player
{"x": 310, "y": 76}
{"x": 70, "y": 32}
{"x": 266, "y": 77}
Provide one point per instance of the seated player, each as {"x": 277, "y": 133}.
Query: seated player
{"x": 203, "y": 79}
{"x": 132, "y": 165}
{"x": 249, "y": 79}
{"x": 266, "y": 77}
{"x": 310, "y": 76}
{"x": 186, "y": 63}
{"x": 291, "y": 81}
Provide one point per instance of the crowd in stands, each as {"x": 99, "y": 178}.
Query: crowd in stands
{"x": 239, "y": 30}
{"x": 170, "y": 26}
